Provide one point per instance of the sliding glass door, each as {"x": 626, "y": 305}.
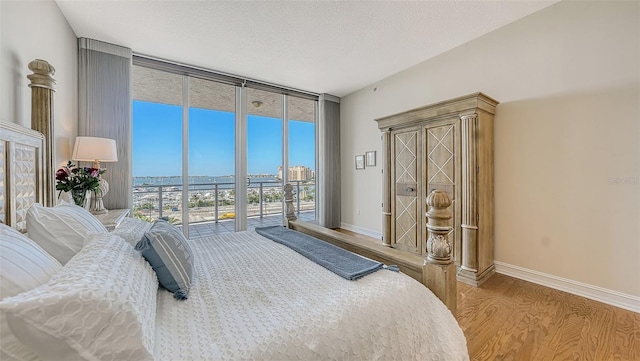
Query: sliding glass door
{"x": 211, "y": 152}
{"x": 157, "y": 144}
{"x": 264, "y": 153}
{"x": 301, "y": 155}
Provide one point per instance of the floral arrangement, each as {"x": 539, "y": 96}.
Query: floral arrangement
{"x": 77, "y": 181}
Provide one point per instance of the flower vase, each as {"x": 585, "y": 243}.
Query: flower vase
{"x": 79, "y": 196}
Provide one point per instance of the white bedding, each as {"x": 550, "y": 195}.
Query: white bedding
{"x": 132, "y": 230}
{"x": 252, "y": 298}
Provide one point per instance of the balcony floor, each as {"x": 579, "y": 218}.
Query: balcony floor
{"x": 205, "y": 229}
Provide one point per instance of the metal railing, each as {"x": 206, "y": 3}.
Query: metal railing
{"x": 152, "y": 199}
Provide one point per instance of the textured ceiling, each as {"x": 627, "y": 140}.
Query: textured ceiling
{"x": 317, "y": 46}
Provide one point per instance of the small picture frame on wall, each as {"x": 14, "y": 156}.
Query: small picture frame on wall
{"x": 360, "y": 161}
{"x": 371, "y": 158}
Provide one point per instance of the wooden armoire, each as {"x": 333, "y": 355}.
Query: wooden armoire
{"x": 446, "y": 146}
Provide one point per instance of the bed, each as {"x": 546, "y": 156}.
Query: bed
{"x": 249, "y": 297}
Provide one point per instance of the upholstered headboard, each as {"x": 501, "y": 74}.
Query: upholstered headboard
{"x": 21, "y": 182}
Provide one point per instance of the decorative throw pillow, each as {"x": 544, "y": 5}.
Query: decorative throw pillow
{"x": 61, "y": 230}
{"x": 168, "y": 252}
{"x": 100, "y": 306}
{"x": 23, "y": 267}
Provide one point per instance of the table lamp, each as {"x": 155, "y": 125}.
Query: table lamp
{"x": 96, "y": 150}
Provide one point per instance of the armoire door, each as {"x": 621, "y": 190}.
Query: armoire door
{"x": 442, "y": 171}
{"x": 406, "y": 202}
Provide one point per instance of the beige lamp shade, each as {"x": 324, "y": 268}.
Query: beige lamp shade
{"x": 94, "y": 149}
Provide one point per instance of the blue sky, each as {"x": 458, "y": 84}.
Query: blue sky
{"x": 157, "y": 142}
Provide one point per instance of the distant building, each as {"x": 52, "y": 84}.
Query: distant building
{"x": 297, "y": 172}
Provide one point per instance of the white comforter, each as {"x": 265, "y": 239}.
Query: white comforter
{"x": 258, "y": 300}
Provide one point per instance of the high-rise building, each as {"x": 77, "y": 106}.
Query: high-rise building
{"x": 297, "y": 172}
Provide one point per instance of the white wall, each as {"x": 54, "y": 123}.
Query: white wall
{"x": 37, "y": 30}
{"x": 567, "y": 192}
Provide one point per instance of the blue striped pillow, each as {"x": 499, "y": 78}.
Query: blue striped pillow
{"x": 168, "y": 252}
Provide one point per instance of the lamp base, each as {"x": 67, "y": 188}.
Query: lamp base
{"x": 99, "y": 211}
{"x": 97, "y": 207}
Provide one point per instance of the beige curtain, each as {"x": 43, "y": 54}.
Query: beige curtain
{"x": 104, "y": 110}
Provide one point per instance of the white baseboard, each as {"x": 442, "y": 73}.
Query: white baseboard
{"x": 610, "y": 297}
{"x": 365, "y": 231}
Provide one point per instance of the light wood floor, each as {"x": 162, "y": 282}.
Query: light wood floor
{"x": 511, "y": 319}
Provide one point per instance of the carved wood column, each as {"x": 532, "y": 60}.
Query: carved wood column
{"x": 439, "y": 271}
{"x": 386, "y": 188}
{"x": 469, "y": 197}
{"x": 42, "y": 119}
{"x": 290, "y": 212}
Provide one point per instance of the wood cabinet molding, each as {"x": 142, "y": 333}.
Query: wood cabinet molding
{"x": 456, "y": 107}
{"x": 469, "y": 196}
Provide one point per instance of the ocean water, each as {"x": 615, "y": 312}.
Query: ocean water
{"x": 177, "y": 180}
{"x": 207, "y": 182}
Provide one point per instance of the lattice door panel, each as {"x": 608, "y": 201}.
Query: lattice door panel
{"x": 440, "y": 154}
{"x": 406, "y": 159}
{"x": 442, "y": 167}
{"x": 406, "y": 228}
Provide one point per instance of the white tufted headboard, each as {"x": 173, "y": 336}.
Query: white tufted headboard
{"x": 21, "y": 182}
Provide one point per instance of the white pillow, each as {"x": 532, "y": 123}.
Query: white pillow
{"x": 61, "y": 230}
{"x": 132, "y": 229}
{"x": 100, "y": 306}
{"x": 23, "y": 266}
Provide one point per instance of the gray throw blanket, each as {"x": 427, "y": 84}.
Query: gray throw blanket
{"x": 337, "y": 260}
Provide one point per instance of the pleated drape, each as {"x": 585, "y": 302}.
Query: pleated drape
{"x": 104, "y": 110}
{"x": 328, "y": 197}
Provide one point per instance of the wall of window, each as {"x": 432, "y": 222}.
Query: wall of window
{"x": 207, "y": 151}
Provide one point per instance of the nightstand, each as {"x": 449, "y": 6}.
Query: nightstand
{"x": 113, "y": 218}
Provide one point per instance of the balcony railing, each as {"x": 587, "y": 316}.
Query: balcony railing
{"x": 216, "y": 201}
